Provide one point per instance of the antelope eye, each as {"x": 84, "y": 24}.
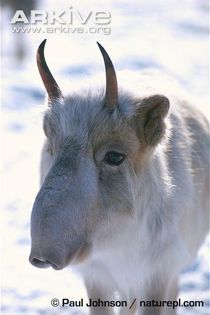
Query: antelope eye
{"x": 114, "y": 158}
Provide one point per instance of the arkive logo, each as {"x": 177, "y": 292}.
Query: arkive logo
{"x": 67, "y": 17}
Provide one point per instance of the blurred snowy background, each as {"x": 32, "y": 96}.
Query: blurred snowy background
{"x": 171, "y": 36}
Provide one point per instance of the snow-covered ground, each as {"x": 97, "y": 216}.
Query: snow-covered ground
{"x": 171, "y": 36}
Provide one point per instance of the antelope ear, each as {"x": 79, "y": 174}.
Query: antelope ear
{"x": 150, "y": 119}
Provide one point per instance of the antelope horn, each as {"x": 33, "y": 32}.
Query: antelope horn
{"x": 50, "y": 84}
{"x": 111, "y": 98}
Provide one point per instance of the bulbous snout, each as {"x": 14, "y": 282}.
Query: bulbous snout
{"x": 61, "y": 220}
{"x": 56, "y": 242}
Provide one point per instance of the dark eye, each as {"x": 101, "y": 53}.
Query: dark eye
{"x": 114, "y": 158}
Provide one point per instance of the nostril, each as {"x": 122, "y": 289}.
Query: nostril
{"x": 54, "y": 266}
{"x": 39, "y": 263}
{"x": 44, "y": 263}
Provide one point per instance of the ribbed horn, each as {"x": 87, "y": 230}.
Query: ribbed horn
{"x": 111, "y": 98}
{"x": 50, "y": 84}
